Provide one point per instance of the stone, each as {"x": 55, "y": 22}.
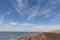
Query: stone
{"x": 39, "y": 36}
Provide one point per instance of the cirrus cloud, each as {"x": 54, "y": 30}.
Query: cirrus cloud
{"x": 27, "y": 27}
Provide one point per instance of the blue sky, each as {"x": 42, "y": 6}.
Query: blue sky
{"x": 29, "y": 15}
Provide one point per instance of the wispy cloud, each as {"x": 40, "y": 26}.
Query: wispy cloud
{"x": 14, "y": 26}
{"x": 33, "y": 13}
{"x": 20, "y": 24}
{"x": 55, "y": 18}
{"x": 13, "y": 23}
{"x": 54, "y": 1}
{"x": 28, "y": 27}
{"x": 2, "y": 20}
{"x": 5, "y": 14}
{"x": 20, "y": 6}
{"x": 45, "y": 27}
{"x": 23, "y": 8}
{"x": 48, "y": 11}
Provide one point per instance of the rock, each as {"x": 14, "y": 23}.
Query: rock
{"x": 40, "y": 36}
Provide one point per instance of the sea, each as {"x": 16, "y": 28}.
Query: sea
{"x": 9, "y": 35}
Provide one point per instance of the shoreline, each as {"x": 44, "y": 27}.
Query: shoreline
{"x": 39, "y": 36}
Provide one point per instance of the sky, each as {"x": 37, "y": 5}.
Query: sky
{"x": 29, "y": 15}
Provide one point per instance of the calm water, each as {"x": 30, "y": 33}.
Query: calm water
{"x": 8, "y": 35}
